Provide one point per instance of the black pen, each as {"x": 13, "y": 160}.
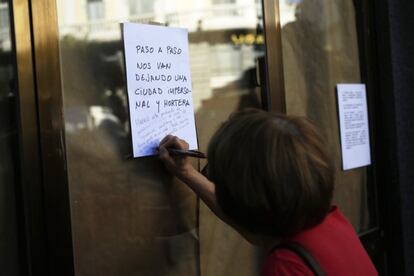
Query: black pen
{"x": 192, "y": 153}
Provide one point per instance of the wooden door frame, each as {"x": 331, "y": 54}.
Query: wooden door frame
{"x": 275, "y": 84}
{"x": 52, "y": 136}
{"x": 44, "y": 186}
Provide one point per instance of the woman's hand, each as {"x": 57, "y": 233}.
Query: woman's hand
{"x": 178, "y": 165}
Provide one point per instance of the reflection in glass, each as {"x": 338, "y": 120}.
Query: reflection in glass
{"x": 320, "y": 49}
{"x": 95, "y": 9}
{"x": 128, "y": 216}
{"x": 9, "y": 262}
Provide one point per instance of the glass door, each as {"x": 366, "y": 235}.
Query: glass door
{"x": 113, "y": 215}
{"x": 320, "y": 48}
{"x": 129, "y": 217}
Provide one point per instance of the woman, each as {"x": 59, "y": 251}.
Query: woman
{"x": 270, "y": 178}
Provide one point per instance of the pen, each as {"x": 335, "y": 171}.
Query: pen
{"x": 192, "y": 153}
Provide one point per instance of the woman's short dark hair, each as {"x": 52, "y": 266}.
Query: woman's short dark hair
{"x": 271, "y": 171}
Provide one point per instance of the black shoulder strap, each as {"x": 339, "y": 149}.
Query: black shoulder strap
{"x": 304, "y": 254}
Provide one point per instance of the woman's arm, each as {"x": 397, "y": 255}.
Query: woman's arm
{"x": 180, "y": 166}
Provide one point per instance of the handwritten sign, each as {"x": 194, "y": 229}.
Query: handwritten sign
{"x": 353, "y": 122}
{"x": 159, "y": 86}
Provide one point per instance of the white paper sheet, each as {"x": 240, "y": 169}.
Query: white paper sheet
{"x": 159, "y": 86}
{"x": 354, "y": 128}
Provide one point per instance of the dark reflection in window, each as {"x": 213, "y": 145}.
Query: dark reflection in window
{"x": 9, "y": 264}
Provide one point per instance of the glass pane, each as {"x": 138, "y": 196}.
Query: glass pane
{"x": 128, "y": 216}
{"x": 320, "y": 49}
{"x": 8, "y": 147}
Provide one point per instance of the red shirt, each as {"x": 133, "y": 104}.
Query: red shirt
{"x": 333, "y": 243}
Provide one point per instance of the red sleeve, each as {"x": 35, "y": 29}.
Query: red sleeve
{"x": 283, "y": 262}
